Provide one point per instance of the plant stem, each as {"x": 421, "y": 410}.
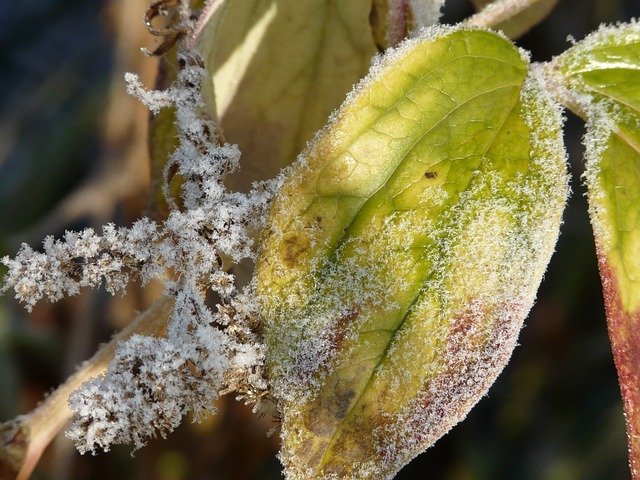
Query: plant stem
{"x": 23, "y": 439}
{"x": 551, "y": 80}
{"x": 498, "y": 12}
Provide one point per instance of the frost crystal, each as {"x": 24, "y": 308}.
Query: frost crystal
{"x": 84, "y": 260}
{"x": 138, "y": 396}
{"x": 153, "y": 382}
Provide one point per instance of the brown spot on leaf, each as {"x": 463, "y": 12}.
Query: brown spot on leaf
{"x": 477, "y": 348}
{"x": 339, "y": 332}
{"x": 293, "y": 246}
{"x": 342, "y": 402}
{"x": 430, "y": 174}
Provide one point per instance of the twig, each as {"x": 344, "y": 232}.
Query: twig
{"x": 23, "y": 439}
{"x": 497, "y": 12}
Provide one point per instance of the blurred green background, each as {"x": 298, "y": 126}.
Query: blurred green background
{"x": 72, "y": 154}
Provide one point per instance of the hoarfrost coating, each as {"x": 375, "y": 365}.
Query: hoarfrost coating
{"x": 153, "y": 382}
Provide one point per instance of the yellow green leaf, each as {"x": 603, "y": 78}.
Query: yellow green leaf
{"x": 405, "y": 249}
{"x": 279, "y": 68}
{"x": 600, "y": 80}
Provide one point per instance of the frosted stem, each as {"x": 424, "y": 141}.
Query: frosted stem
{"x": 498, "y": 12}
{"x": 23, "y": 439}
{"x": 558, "y": 91}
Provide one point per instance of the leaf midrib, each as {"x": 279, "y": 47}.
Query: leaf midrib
{"x": 384, "y": 354}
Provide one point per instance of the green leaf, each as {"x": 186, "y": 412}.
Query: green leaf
{"x": 279, "y": 68}
{"x": 405, "y": 249}
{"x": 600, "y": 77}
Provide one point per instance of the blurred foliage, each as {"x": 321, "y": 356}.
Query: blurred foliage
{"x": 55, "y": 58}
{"x": 555, "y": 412}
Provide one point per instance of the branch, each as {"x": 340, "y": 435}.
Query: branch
{"x": 23, "y": 439}
{"x": 498, "y": 12}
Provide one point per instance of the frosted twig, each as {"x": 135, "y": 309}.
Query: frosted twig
{"x": 497, "y": 12}
{"x": 153, "y": 382}
{"x": 26, "y": 437}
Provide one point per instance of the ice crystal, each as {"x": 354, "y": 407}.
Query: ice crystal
{"x": 84, "y": 259}
{"x": 153, "y": 382}
{"x": 139, "y": 396}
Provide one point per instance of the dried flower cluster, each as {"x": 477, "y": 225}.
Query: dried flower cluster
{"x": 154, "y": 382}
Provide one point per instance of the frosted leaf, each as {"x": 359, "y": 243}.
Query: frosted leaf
{"x": 307, "y": 56}
{"x": 393, "y": 20}
{"x": 405, "y": 249}
{"x": 599, "y": 78}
